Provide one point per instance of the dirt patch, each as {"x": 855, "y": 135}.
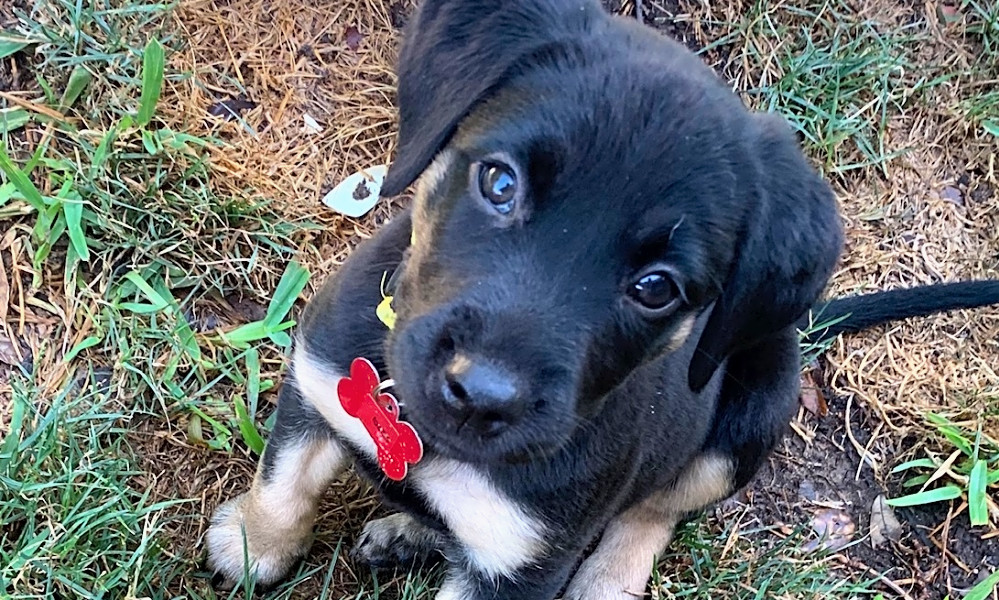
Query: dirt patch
{"x": 819, "y": 468}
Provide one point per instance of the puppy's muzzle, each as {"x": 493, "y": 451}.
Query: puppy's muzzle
{"x": 480, "y": 394}
{"x": 472, "y": 372}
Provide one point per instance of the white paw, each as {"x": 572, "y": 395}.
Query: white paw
{"x": 236, "y": 534}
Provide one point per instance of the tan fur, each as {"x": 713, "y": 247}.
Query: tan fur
{"x": 425, "y": 187}
{"x": 620, "y": 566}
{"x": 276, "y": 515}
{"x": 681, "y": 333}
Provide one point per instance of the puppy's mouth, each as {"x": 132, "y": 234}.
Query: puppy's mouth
{"x": 473, "y": 449}
{"x": 460, "y": 440}
{"x": 471, "y": 406}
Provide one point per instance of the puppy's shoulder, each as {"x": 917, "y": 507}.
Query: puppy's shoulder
{"x": 340, "y": 322}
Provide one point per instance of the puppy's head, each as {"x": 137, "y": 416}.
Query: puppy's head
{"x": 588, "y": 190}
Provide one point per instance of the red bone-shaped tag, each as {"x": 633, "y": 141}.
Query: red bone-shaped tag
{"x": 396, "y": 441}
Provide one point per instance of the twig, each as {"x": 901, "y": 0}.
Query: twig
{"x": 888, "y": 582}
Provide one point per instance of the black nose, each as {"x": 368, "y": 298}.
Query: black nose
{"x": 481, "y": 395}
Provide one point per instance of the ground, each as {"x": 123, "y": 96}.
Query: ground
{"x": 131, "y": 399}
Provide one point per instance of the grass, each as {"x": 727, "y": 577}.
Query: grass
{"x": 750, "y": 563}
{"x": 131, "y": 249}
{"x": 115, "y": 210}
{"x": 74, "y": 522}
{"x": 969, "y": 470}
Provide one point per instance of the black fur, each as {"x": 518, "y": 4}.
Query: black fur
{"x": 633, "y": 154}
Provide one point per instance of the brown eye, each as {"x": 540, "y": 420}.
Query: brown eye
{"x": 498, "y": 185}
{"x": 655, "y": 291}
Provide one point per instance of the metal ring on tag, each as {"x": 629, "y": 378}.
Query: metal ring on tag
{"x": 381, "y": 387}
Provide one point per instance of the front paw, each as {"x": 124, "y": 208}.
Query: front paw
{"x": 241, "y": 543}
{"x": 396, "y": 540}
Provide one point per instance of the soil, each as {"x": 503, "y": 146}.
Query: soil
{"x": 805, "y": 477}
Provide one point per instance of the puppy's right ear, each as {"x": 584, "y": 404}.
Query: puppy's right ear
{"x": 456, "y": 52}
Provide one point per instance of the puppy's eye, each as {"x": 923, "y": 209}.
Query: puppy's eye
{"x": 655, "y": 291}
{"x": 498, "y": 185}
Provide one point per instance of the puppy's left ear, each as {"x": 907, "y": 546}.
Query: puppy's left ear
{"x": 456, "y": 52}
{"x": 790, "y": 242}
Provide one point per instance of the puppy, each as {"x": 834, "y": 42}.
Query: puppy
{"x": 597, "y": 293}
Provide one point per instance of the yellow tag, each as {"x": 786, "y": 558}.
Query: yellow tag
{"x": 385, "y": 313}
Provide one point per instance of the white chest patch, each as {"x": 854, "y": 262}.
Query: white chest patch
{"x": 499, "y": 535}
{"x": 318, "y": 382}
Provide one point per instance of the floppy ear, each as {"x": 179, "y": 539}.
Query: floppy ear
{"x": 454, "y": 53}
{"x": 787, "y": 251}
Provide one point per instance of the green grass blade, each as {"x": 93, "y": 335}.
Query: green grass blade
{"x": 914, "y": 481}
{"x": 107, "y": 143}
{"x": 984, "y": 589}
{"x": 991, "y": 127}
{"x": 6, "y": 193}
{"x": 21, "y": 182}
{"x": 73, "y": 210}
{"x": 249, "y": 332}
{"x": 85, "y": 343}
{"x": 952, "y": 433}
{"x": 152, "y": 81}
{"x": 8, "y": 449}
{"x": 978, "y": 509}
{"x": 292, "y": 283}
{"x": 247, "y": 429}
{"x": 12, "y": 119}
{"x": 920, "y": 462}
{"x": 10, "y": 44}
{"x": 280, "y": 338}
{"x": 158, "y": 302}
{"x": 947, "y": 492}
{"x": 79, "y": 79}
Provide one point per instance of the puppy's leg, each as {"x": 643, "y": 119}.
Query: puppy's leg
{"x": 620, "y": 566}
{"x": 397, "y": 540}
{"x": 271, "y": 525}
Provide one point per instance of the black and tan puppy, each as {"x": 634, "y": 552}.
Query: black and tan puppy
{"x": 598, "y": 288}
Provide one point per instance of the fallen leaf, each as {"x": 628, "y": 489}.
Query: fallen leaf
{"x": 8, "y": 355}
{"x": 806, "y": 489}
{"x": 231, "y": 108}
{"x": 4, "y": 291}
{"x": 311, "y": 125}
{"x": 835, "y": 529}
{"x": 953, "y": 195}
{"x": 353, "y": 38}
{"x": 884, "y": 523}
{"x": 811, "y": 396}
{"x": 19, "y": 356}
{"x": 949, "y": 14}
